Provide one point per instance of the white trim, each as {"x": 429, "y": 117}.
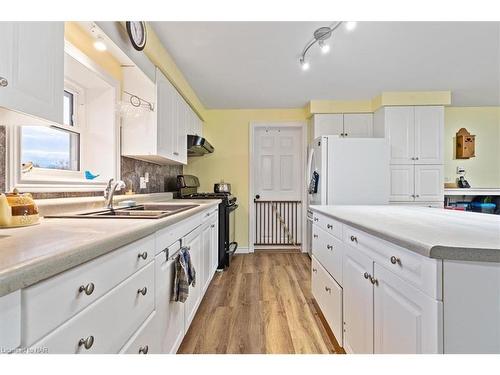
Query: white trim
{"x": 251, "y": 219}
{"x": 472, "y": 191}
{"x": 243, "y": 250}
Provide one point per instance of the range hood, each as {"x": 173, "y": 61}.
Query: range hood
{"x": 198, "y": 146}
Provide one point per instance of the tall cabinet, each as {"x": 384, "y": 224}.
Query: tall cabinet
{"x": 415, "y": 134}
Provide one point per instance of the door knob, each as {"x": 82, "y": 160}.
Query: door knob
{"x": 142, "y": 291}
{"x": 395, "y": 260}
{"x": 3, "y": 82}
{"x": 88, "y": 289}
{"x": 144, "y": 349}
{"x": 143, "y": 255}
{"x": 86, "y": 343}
{"x": 257, "y": 196}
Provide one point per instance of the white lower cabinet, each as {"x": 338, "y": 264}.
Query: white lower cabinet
{"x": 214, "y": 245}
{"x": 416, "y": 183}
{"x": 194, "y": 242}
{"x": 405, "y": 319}
{"x": 358, "y": 302}
{"x": 206, "y": 262}
{"x": 145, "y": 340}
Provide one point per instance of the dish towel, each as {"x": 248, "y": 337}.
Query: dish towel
{"x": 185, "y": 275}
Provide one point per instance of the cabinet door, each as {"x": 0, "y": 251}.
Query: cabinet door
{"x": 402, "y": 183}
{"x": 406, "y": 320}
{"x": 214, "y": 246}
{"x": 429, "y": 183}
{"x": 166, "y": 112}
{"x": 358, "y": 125}
{"x": 145, "y": 340}
{"x": 358, "y": 302}
{"x": 32, "y": 63}
{"x": 194, "y": 242}
{"x": 182, "y": 131}
{"x": 328, "y": 124}
{"x": 429, "y": 128}
{"x": 400, "y": 130}
{"x": 169, "y": 314}
{"x": 205, "y": 256}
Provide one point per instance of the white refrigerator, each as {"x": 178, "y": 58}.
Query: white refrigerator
{"x": 347, "y": 171}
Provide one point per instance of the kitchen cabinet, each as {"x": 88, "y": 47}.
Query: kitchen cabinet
{"x": 358, "y": 302}
{"x": 194, "y": 242}
{"x": 195, "y": 125}
{"x": 416, "y": 183}
{"x": 354, "y": 125}
{"x": 10, "y": 320}
{"x": 415, "y": 133}
{"x": 206, "y": 253}
{"x": 405, "y": 319}
{"x": 214, "y": 246}
{"x": 32, "y": 68}
{"x": 145, "y": 340}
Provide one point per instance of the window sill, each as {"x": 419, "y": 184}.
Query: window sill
{"x": 73, "y": 186}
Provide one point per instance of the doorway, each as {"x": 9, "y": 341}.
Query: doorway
{"x": 277, "y": 185}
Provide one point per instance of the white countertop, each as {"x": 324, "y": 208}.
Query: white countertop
{"x": 432, "y": 232}
{"x": 31, "y": 254}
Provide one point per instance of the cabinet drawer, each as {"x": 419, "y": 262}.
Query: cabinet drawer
{"x": 328, "y": 295}
{"x": 47, "y": 304}
{"x": 167, "y": 236}
{"x": 328, "y": 250}
{"x": 146, "y": 340}
{"x": 328, "y": 224}
{"x": 422, "y": 272}
{"x": 10, "y": 321}
{"x": 111, "y": 320}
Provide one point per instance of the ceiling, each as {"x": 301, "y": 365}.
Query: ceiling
{"x": 255, "y": 64}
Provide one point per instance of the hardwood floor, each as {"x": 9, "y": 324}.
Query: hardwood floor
{"x": 262, "y": 304}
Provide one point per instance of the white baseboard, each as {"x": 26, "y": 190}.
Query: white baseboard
{"x": 242, "y": 250}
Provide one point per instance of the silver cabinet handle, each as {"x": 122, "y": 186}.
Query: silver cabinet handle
{"x": 413, "y": 158}
{"x": 417, "y": 196}
{"x": 212, "y": 226}
{"x": 367, "y": 275}
{"x": 373, "y": 280}
{"x": 329, "y": 247}
{"x": 315, "y": 270}
{"x": 176, "y": 153}
{"x": 416, "y": 157}
{"x": 143, "y": 255}
{"x": 329, "y": 226}
{"x": 315, "y": 219}
{"x": 144, "y": 349}
{"x": 315, "y": 235}
{"x": 86, "y": 343}
{"x": 88, "y": 289}
{"x": 354, "y": 239}
{"x": 3, "y": 82}
{"x": 395, "y": 260}
{"x": 142, "y": 291}
{"x": 329, "y": 290}
{"x": 413, "y": 195}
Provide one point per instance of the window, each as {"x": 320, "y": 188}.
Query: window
{"x": 68, "y": 105}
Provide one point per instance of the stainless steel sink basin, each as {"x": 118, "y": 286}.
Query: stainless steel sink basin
{"x": 143, "y": 211}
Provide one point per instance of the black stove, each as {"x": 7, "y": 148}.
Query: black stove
{"x": 188, "y": 189}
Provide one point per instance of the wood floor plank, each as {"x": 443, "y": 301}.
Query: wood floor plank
{"x": 261, "y": 304}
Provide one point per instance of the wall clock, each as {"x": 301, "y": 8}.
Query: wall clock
{"x": 137, "y": 33}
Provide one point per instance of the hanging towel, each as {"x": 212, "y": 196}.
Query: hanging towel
{"x": 191, "y": 272}
{"x": 185, "y": 275}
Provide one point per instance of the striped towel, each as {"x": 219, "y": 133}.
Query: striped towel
{"x": 185, "y": 275}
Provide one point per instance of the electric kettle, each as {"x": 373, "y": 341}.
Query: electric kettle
{"x": 18, "y": 210}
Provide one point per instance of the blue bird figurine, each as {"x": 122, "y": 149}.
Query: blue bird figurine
{"x": 90, "y": 176}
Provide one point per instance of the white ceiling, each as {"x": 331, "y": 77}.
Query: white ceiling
{"x": 255, "y": 64}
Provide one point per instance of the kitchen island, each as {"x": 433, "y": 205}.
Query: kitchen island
{"x": 400, "y": 279}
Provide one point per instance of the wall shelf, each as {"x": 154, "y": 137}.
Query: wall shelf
{"x": 472, "y": 191}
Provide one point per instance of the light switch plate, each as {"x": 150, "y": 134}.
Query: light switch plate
{"x": 142, "y": 183}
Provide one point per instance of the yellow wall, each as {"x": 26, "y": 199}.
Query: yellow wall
{"x": 228, "y": 132}
{"x": 484, "y": 122}
{"x": 74, "y": 34}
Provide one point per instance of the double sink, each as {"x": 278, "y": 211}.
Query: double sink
{"x": 143, "y": 211}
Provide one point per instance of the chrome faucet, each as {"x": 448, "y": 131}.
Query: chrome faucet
{"x": 109, "y": 192}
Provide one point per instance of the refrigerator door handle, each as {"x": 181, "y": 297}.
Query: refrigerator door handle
{"x": 309, "y": 167}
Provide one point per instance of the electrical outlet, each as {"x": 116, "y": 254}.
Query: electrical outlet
{"x": 146, "y": 176}
{"x": 460, "y": 170}
{"x": 142, "y": 183}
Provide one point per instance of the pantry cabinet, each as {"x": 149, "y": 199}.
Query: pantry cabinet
{"x": 32, "y": 88}
{"x": 352, "y": 125}
{"x": 416, "y": 183}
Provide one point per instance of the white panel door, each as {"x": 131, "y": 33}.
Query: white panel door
{"x": 358, "y": 302}
{"x": 167, "y": 116}
{"x": 400, "y": 130}
{"x": 406, "y": 320}
{"x": 429, "y": 183}
{"x": 358, "y": 125}
{"x": 32, "y": 66}
{"x": 402, "y": 183}
{"x": 169, "y": 314}
{"x": 429, "y": 128}
{"x": 278, "y": 163}
{"x": 328, "y": 124}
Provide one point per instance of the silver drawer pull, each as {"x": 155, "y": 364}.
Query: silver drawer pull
{"x": 86, "y": 343}
{"x": 176, "y": 153}
{"x": 88, "y": 289}
{"x": 142, "y": 291}
{"x": 329, "y": 290}
{"x": 212, "y": 226}
{"x": 144, "y": 349}
{"x": 354, "y": 239}
{"x": 315, "y": 270}
{"x": 329, "y": 247}
{"x": 143, "y": 255}
{"x": 3, "y": 82}
{"x": 315, "y": 235}
{"x": 367, "y": 275}
{"x": 373, "y": 280}
{"x": 329, "y": 226}
{"x": 395, "y": 260}
{"x": 315, "y": 219}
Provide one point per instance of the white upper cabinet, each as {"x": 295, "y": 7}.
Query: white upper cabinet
{"x": 429, "y": 128}
{"x": 32, "y": 68}
{"x": 358, "y": 125}
{"x": 415, "y": 133}
{"x": 353, "y": 125}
